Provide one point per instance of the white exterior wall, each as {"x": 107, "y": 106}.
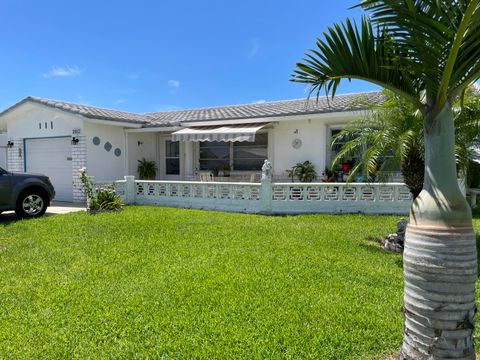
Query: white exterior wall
{"x": 79, "y": 160}
{"x": 141, "y": 145}
{"x": 25, "y": 122}
{"x": 3, "y": 150}
{"x": 32, "y": 121}
{"x": 35, "y": 121}
{"x": 312, "y": 134}
{"x": 104, "y": 164}
{"x": 15, "y": 161}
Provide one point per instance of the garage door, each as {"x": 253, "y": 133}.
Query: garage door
{"x": 52, "y": 157}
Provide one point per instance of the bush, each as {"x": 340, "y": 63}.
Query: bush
{"x": 473, "y": 174}
{"x": 101, "y": 198}
{"x": 147, "y": 170}
{"x": 105, "y": 199}
{"x": 305, "y": 172}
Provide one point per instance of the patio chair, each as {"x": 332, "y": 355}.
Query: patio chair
{"x": 252, "y": 177}
{"x": 206, "y": 176}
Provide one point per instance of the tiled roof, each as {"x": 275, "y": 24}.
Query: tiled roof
{"x": 340, "y": 103}
{"x": 86, "y": 111}
{"x": 268, "y": 109}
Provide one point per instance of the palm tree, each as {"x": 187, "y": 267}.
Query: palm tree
{"x": 426, "y": 51}
{"x": 387, "y": 138}
{"x": 467, "y": 127}
{"x": 390, "y": 137}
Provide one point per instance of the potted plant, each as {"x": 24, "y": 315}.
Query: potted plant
{"x": 147, "y": 169}
{"x": 305, "y": 172}
{"x": 226, "y": 170}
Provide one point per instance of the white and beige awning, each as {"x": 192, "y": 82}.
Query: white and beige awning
{"x": 237, "y": 132}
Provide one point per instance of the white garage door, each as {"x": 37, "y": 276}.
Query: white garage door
{"x": 52, "y": 157}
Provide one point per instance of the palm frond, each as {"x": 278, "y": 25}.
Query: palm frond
{"x": 351, "y": 52}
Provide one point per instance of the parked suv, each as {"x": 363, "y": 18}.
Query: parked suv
{"x": 28, "y": 194}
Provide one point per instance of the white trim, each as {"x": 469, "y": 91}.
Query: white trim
{"x": 155, "y": 129}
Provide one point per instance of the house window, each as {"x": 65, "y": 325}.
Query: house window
{"x": 172, "y": 157}
{"x": 242, "y": 155}
{"x": 214, "y": 155}
{"x": 250, "y": 155}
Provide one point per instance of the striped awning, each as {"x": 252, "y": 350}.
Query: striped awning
{"x": 238, "y": 132}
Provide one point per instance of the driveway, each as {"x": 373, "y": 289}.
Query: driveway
{"x": 56, "y": 208}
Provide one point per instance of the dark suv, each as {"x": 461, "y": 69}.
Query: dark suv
{"x": 28, "y": 194}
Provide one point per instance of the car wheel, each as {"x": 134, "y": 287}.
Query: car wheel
{"x": 31, "y": 204}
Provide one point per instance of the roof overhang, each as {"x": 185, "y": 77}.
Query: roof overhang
{"x": 226, "y": 133}
{"x": 326, "y": 116}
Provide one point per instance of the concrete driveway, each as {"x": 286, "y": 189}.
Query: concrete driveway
{"x": 55, "y": 208}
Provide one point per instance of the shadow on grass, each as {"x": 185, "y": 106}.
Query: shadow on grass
{"x": 8, "y": 218}
{"x": 372, "y": 245}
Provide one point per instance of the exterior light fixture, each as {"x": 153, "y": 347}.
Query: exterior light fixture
{"x": 74, "y": 140}
{"x": 10, "y": 144}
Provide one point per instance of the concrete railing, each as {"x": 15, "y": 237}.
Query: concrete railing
{"x": 269, "y": 198}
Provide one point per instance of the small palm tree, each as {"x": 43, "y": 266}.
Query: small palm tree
{"x": 467, "y": 130}
{"x": 390, "y": 137}
{"x": 428, "y": 52}
{"x": 147, "y": 169}
{"x": 304, "y": 171}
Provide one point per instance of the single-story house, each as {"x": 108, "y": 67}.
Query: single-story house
{"x": 58, "y": 138}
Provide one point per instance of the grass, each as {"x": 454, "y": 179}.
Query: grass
{"x": 168, "y": 283}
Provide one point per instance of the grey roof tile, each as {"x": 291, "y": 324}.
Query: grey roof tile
{"x": 86, "y": 111}
{"x": 340, "y": 103}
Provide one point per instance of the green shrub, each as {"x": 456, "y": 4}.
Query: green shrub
{"x": 305, "y": 172}
{"x": 99, "y": 199}
{"x": 105, "y": 199}
{"x": 147, "y": 170}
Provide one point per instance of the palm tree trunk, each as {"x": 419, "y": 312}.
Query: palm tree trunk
{"x": 440, "y": 257}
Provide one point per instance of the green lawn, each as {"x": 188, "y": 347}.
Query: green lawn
{"x": 176, "y": 284}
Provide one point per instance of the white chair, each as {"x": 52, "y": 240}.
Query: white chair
{"x": 206, "y": 176}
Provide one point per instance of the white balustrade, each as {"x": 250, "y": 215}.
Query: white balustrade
{"x": 377, "y": 198}
{"x": 283, "y": 198}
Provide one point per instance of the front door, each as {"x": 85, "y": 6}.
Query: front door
{"x": 171, "y": 167}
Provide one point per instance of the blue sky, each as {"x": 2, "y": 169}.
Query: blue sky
{"x": 160, "y": 55}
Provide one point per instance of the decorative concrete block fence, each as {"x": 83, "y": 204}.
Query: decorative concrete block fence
{"x": 269, "y": 198}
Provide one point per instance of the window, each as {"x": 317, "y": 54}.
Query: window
{"x": 242, "y": 155}
{"x": 338, "y": 146}
{"x": 250, "y": 155}
{"x": 172, "y": 157}
{"x": 214, "y": 155}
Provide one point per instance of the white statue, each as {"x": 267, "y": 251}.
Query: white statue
{"x": 267, "y": 170}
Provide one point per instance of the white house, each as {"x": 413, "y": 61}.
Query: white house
{"x": 58, "y": 138}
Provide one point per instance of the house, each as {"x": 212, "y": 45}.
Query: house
{"x": 58, "y": 138}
